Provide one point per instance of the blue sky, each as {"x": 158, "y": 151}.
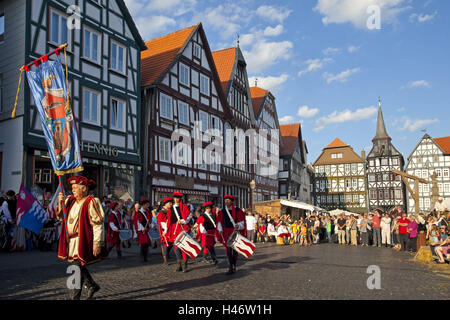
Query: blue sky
{"x": 326, "y": 67}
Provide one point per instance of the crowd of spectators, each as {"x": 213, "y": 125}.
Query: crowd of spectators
{"x": 392, "y": 229}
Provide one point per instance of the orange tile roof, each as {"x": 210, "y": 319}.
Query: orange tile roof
{"x": 336, "y": 144}
{"x": 224, "y": 61}
{"x": 160, "y": 53}
{"x": 289, "y": 134}
{"x": 258, "y": 94}
{"x": 444, "y": 143}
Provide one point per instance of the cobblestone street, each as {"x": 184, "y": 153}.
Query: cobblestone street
{"x": 325, "y": 271}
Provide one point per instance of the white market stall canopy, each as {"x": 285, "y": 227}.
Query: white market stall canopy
{"x": 338, "y": 212}
{"x": 299, "y": 205}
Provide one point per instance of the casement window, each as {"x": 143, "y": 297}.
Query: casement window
{"x": 91, "y": 44}
{"x": 165, "y": 149}
{"x": 2, "y": 26}
{"x": 183, "y": 112}
{"x": 446, "y": 173}
{"x": 184, "y": 75}
{"x": 395, "y": 162}
{"x": 384, "y": 162}
{"x": 91, "y": 106}
{"x": 203, "y": 117}
{"x": 372, "y": 178}
{"x": 117, "y": 114}
{"x": 204, "y": 85}
{"x": 118, "y": 58}
{"x": 197, "y": 51}
{"x": 59, "y": 33}
{"x": 347, "y": 168}
{"x": 165, "y": 106}
{"x": 373, "y": 194}
{"x": 398, "y": 194}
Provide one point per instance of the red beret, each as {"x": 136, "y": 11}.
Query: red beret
{"x": 144, "y": 201}
{"x": 168, "y": 199}
{"x": 177, "y": 194}
{"x": 113, "y": 205}
{"x": 78, "y": 180}
{"x": 208, "y": 204}
{"x": 227, "y": 196}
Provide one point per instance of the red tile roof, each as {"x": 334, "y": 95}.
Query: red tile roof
{"x": 444, "y": 143}
{"x": 336, "y": 144}
{"x": 224, "y": 61}
{"x": 289, "y": 134}
{"x": 160, "y": 54}
{"x": 258, "y": 94}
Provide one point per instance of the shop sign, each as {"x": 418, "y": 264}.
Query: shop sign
{"x": 100, "y": 149}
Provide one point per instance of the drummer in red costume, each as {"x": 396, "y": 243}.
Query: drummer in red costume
{"x": 81, "y": 241}
{"x": 230, "y": 219}
{"x": 177, "y": 222}
{"x": 161, "y": 218}
{"x": 207, "y": 226}
{"x": 114, "y": 223}
{"x": 143, "y": 220}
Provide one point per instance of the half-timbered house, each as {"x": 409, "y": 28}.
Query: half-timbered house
{"x": 339, "y": 181}
{"x": 182, "y": 94}
{"x": 385, "y": 189}
{"x": 237, "y": 169}
{"x": 103, "y": 57}
{"x": 267, "y": 142}
{"x": 293, "y": 176}
{"x": 430, "y": 160}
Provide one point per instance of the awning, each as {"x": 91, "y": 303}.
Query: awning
{"x": 297, "y": 204}
{"x": 337, "y": 212}
{"x": 183, "y": 191}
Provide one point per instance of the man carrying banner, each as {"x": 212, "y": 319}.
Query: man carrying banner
{"x": 177, "y": 222}
{"x": 162, "y": 219}
{"x": 207, "y": 226}
{"x": 230, "y": 219}
{"x": 82, "y": 233}
{"x": 143, "y": 222}
{"x": 114, "y": 223}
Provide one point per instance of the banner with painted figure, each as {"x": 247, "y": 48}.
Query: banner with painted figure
{"x": 49, "y": 89}
{"x": 30, "y": 214}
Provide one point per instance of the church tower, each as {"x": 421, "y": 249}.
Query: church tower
{"x": 385, "y": 189}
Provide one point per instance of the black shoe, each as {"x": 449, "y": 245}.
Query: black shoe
{"x": 129, "y": 245}
{"x": 179, "y": 268}
{"x": 185, "y": 266}
{"x": 92, "y": 290}
{"x": 119, "y": 255}
{"x": 230, "y": 270}
{"x": 234, "y": 267}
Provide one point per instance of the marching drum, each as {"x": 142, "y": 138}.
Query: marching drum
{"x": 187, "y": 244}
{"x": 125, "y": 235}
{"x": 241, "y": 244}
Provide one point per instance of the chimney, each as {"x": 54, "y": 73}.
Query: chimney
{"x": 363, "y": 155}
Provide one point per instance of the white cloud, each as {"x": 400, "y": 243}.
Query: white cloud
{"x": 341, "y": 77}
{"x": 355, "y": 11}
{"x": 330, "y": 50}
{"x": 352, "y": 49}
{"x": 413, "y": 125}
{"x": 286, "y": 119}
{"x": 419, "y": 83}
{"x": 264, "y": 54}
{"x": 345, "y": 116}
{"x": 153, "y": 25}
{"x": 422, "y": 17}
{"x": 306, "y": 112}
{"x": 401, "y": 109}
{"x": 177, "y": 7}
{"x": 269, "y": 83}
{"x": 273, "y": 14}
{"x": 313, "y": 65}
{"x": 272, "y": 32}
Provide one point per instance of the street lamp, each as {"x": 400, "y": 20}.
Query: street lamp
{"x": 252, "y": 187}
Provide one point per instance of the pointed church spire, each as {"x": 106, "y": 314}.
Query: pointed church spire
{"x": 381, "y": 128}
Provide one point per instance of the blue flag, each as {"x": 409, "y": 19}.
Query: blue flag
{"x": 30, "y": 214}
{"x": 49, "y": 89}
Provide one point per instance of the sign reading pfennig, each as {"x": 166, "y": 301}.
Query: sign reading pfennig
{"x": 99, "y": 149}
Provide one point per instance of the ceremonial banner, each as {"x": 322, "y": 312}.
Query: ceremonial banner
{"x": 30, "y": 214}
{"x": 49, "y": 89}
